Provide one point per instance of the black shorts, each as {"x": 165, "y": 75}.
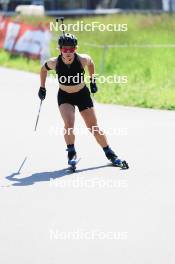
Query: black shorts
{"x": 81, "y": 99}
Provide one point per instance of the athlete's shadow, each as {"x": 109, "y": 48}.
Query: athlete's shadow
{"x": 37, "y": 177}
{"x": 45, "y": 176}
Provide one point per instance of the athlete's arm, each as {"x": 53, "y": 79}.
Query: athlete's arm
{"x": 87, "y": 61}
{"x": 91, "y": 69}
{"x": 48, "y": 65}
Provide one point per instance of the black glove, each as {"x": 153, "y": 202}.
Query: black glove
{"x": 42, "y": 93}
{"x": 93, "y": 86}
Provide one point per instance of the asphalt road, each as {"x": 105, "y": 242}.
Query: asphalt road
{"x": 100, "y": 214}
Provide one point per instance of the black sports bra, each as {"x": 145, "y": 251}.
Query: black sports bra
{"x": 70, "y": 74}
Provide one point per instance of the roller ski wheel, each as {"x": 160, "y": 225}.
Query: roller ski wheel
{"x": 120, "y": 163}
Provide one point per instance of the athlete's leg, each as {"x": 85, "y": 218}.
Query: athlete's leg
{"x": 91, "y": 122}
{"x": 90, "y": 119}
{"x": 68, "y": 114}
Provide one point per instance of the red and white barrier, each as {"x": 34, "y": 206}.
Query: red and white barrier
{"x": 25, "y": 39}
{"x": 3, "y": 28}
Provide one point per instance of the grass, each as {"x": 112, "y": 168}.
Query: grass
{"x": 150, "y": 71}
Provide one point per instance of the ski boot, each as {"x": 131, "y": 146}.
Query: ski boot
{"x": 115, "y": 160}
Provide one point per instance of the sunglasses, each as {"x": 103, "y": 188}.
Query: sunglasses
{"x": 70, "y": 50}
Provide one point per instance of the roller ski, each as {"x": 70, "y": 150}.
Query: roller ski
{"x": 72, "y": 164}
{"x": 120, "y": 163}
{"x": 72, "y": 158}
{"x": 115, "y": 160}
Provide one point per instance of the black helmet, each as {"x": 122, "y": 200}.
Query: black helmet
{"x": 67, "y": 40}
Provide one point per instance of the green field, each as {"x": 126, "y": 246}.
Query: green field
{"x": 150, "y": 71}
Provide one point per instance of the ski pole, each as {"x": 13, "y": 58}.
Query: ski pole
{"x": 22, "y": 165}
{"x": 36, "y": 124}
{"x": 62, "y": 23}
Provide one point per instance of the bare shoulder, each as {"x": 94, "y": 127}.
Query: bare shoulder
{"x": 51, "y": 63}
{"x": 85, "y": 59}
